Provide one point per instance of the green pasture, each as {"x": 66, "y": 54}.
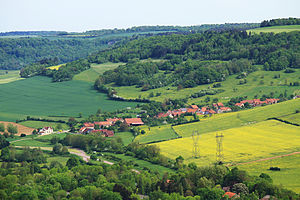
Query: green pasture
{"x": 92, "y": 74}
{"x": 238, "y": 119}
{"x": 275, "y": 29}
{"x": 126, "y": 137}
{"x": 258, "y": 83}
{"x": 62, "y": 159}
{"x": 38, "y": 96}
{"x": 142, "y": 163}
{"x": 289, "y": 174}
{"x": 293, "y": 118}
{"x": 41, "y": 124}
{"x": 7, "y": 76}
{"x": 157, "y": 133}
{"x": 32, "y": 143}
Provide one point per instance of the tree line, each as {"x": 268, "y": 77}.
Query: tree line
{"x": 280, "y": 22}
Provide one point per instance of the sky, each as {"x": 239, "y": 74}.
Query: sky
{"x": 83, "y": 15}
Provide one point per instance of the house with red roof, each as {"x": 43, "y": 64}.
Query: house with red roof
{"x": 114, "y": 120}
{"x": 103, "y": 124}
{"x": 194, "y": 107}
{"x": 87, "y": 124}
{"x": 220, "y": 104}
{"x": 224, "y": 109}
{"x": 134, "y": 121}
{"x": 230, "y": 195}
{"x": 192, "y": 110}
{"x": 239, "y": 105}
{"x": 107, "y": 133}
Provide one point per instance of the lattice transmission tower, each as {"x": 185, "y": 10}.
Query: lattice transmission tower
{"x": 220, "y": 155}
{"x": 196, "y": 148}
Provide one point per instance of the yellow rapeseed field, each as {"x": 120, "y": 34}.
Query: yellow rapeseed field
{"x": 56, "y": 67}
{"x": 247, "y": 143}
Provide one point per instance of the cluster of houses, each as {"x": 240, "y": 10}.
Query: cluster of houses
{"x": 101, "y": 127}
{"x": 256, "y": 102}
{"x": 214, "y": 109}
{"x": 194, "y": 109}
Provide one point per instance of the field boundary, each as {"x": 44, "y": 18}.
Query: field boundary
{"x": 284, "y": 121}
{"x": 264, "y": 159}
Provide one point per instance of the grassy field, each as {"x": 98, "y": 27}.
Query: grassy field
{"x": 293, "y": 118}
{"x": 248, "y": 143}
{"x": 161, "y": 170}
{"x": 62, "y": 159}
{"x": 32, "y": 143}
{"x": 41, "y": 124}
{"x": 126, "y": 137}
{"x": 289, "y": 174}
{"x": 258, "y": 83}
{"x": 7, "y": 76}
{"x": 157, "y": 133}
{"x": 276, "y": 29}
{"x": 236, "y": 119}
{"x": 92, "y": 74}
{"x": 38, "y": 96}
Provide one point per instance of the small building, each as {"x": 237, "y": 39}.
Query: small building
{"x": 239, "y": 105}
{"x": 114, "y": 120}
{"x": 90, "y": 125}
{"x": 46, "y": 130}
{"x": 134, "y": 121}
{"x": 107, "y": 133}
{"x": 230, "y": 195}
{"x": 194, "y": 107}
{"x": 103, "y": 124}
{"x": 192, "y": 110}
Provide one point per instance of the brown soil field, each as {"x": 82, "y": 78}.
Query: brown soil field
{"x": 21, "y": 129}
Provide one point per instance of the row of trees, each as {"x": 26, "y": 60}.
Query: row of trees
{"x": 280, "y": 22}
{"x": 11, "y": 129}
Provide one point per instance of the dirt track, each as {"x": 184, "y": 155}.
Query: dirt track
{"x": 264, "y": 159}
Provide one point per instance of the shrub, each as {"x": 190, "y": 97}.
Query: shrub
{"x": 23, "y": 135}
{"x": 274, "y": 169}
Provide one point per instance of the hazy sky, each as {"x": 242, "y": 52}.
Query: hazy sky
{"x": 82, "y": 15}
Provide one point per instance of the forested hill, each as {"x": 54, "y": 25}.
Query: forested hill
{"x": 20, "y": 48}
{"x": 195, "y": 59}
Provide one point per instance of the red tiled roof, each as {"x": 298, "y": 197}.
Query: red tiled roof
{"x": 192, "y": 110}
{"x": 108, "y": 133}
{"x": 194, "y": 106}
{"x": 212, "y": 111}
{"x": 225, "y": 108}
{"x": 114, "y": 120}
{"x": 135, "y": 121}
{"x": 229, "y": 194}
{"x": 88, "y": 124}
{"x": 247, "y": 101}
{"x": 220, "y": 104}
{"x": 203, "y": 109}
{"x": 103, "y": 123}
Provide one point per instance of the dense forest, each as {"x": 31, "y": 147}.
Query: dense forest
{"x": 280, "y": 22}
{"x": 26, "y": 174}
{"x": 20, "y": 48}
{"x": 195, "y": 59}
{"x": 16, "y": 53}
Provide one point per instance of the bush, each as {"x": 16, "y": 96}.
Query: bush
{"x": 23, "y": 135}
{"x": 289, "y": 71}
{"x": 274, "y": 169}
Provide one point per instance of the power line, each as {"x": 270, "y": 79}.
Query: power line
{"x": 220, "y": 155}
{"x": 196, "y": 148}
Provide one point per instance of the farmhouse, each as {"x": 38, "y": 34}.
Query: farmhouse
{"x": 134, "y": 121}
{"x": 194, "y": 107}
{"x": 103, "y": 124}
{"x": 46, "y": 130}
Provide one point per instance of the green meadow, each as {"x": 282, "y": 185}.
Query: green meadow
{"x": 92, "y": 74}
{"x": 41, "y": 124}
{"x": 258, "y": 83}
{"x": 38, "y": 96}
{"x": 294, "y": 118}
{"x": 157, "y": 133}
{"x": 126, "y": 137}
{"x": 275, "y": 29}
{"x": 7, "y": 76}
{"x": 289, "y": 174}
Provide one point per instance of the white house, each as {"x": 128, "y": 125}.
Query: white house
{"x": 46, "y": 130}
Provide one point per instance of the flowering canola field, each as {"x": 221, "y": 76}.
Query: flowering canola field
{"x": 247, "y": 143}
